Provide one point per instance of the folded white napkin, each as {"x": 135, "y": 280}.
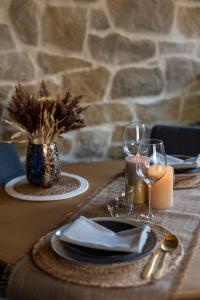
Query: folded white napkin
{"x": 178, "y": 163}
{"x": 85, "y": 232}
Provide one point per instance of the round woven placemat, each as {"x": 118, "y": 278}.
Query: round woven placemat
{"x": 113, "y": 275}
{"x": 68, "y": 186}
{"x": 65, "y": 184}
{"x": 187, "y": 183}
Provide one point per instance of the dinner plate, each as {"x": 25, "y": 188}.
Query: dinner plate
{"x": 180, "y": 174}
{"x": 96, "y": 256}
{"x": 185, "y": 173}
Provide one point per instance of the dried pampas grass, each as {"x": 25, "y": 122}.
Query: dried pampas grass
{"x": 41, "y": 119}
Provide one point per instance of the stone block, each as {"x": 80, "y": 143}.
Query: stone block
{"x": 116, "y": 49}
{"x": 142, "y": 16}
{"x": 91, "y": 84}
{"x": 64, "y": 145}
{"x": 193, "y": 88}
{"x": 117, "y": 135}
{"x": 107, "y": 113}
{"x": 95, "y": 115}
{"x": 198, "y": 50}
{"x": 64, "y": 27}
{"x": 115, "y": 152}
{"x": 6, "y": 40}
{"x": 188, "y": 21}
{"x": 98, "y": 20}
{"x": 53, "y": 88}
{"x": 179, "y": 72}
{"x": 4, "y": 91}
{"x": 51, "y": 64}
{"x": 134, "y": 82}
{"x": 162, "y": 111}
{"x": 16, "y": 66}
{"x": 166, "y": 48}
{"x": 191, "y": 110}
{"x": 91, "y": 143}
{"x": 117, "y": 112}
{"x": 24, "y": 14}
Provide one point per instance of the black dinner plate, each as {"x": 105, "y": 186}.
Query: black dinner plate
{"x": 97, "y": 256}
{"x": 187, "y": 171}
{"x": 184, "y": 171}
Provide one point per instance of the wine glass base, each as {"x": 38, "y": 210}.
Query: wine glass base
{"x": 146, "y": 217}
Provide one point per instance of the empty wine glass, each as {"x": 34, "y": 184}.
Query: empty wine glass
{"x": 133, "y": 133}
{"x": 151, "y": 168}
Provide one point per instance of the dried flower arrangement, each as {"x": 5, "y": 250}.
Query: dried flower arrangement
{"x": 41, "y": 119}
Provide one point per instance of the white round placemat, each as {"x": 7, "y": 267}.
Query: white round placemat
{"x": 10, "y": 189}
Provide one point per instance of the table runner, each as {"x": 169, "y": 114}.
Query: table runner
{"x": 28, "y": 282}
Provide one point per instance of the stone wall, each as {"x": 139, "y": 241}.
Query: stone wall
{"x": 132, "y": 59}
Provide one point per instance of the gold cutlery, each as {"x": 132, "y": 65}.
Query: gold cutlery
{"x": 168, "y": 244}
{"x": 150, "y": 267}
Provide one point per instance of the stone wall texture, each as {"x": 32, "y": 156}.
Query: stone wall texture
{"x": 132, "y": 59}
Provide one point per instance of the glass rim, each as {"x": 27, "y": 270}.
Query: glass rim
{"x": 151, "y": 142}
{"x": 135, "y": 123}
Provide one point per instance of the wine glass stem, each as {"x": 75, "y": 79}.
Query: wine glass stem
{"x": 149, "y": 190}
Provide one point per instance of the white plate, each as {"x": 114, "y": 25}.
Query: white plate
{"x": 9, "y": 188}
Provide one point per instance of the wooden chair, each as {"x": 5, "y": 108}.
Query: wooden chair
{"x": 181, "y": 140}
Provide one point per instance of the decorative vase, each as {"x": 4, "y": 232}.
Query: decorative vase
{"x": 42, "y": 164}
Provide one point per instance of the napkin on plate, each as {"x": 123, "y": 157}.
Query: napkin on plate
{"x": 85, "y": 232}
{"x": 178, "y": 163}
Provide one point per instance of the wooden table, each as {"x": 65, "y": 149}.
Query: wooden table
{"x": 26, "y": 221}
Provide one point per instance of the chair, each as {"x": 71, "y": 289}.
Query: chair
{"x": 180, "y": 140}
{"x": 10, "y": 165}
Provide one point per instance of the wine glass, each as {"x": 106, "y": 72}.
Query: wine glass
{"x": 151, "y": 168}
{"x": 133, "y": 133}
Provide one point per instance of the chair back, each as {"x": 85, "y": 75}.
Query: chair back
{"x": 10, "y": 164}
{"x": 181, "y": 140}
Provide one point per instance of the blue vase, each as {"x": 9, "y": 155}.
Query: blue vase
{"x": 42, "y": 164}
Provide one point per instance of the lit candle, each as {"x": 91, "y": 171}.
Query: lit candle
{"x": 155, "y": 172}
{"x": 162, "y": 190}
{"x": 133, "y": 180}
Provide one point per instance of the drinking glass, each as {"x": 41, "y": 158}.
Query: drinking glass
{"x": 152, "y": 168}
{"x": 133, "y": 133}
{"x": 120, "y": 200}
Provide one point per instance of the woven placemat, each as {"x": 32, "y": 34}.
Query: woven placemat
{"x": 187, "y": 183}
{"x": 69, "y": 185}
{"x": 64, "y": 185}
{"x": 114, "y": 275}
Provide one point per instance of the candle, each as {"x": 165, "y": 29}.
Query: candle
{"x": 155, "y": 172}
{"x": 162, "y": 190}
{"x": 133, "y": 180}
